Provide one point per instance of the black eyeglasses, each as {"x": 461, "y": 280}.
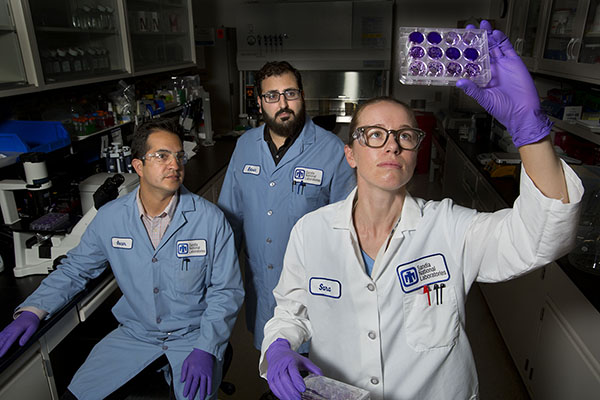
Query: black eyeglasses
{"x": 273, "y": 95}
{"x": 375, "y": 136}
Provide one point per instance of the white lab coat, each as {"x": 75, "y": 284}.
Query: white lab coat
{"x": 380, "y": 333}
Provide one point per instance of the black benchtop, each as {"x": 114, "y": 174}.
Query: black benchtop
{"x": 200, "y": 169}
{"x": 508, "y": 189}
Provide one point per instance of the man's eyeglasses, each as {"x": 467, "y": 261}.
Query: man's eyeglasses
{"x": 290, "y": 95}
{"x": 165, "y": 157}
{"x": 375, "y": 136}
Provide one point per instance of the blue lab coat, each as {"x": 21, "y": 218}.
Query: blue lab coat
{"x": 169, "y": 305}
{"x": 263, "y": 201}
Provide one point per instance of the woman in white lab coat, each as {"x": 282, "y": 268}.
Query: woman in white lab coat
{"x": 378, "y": 282}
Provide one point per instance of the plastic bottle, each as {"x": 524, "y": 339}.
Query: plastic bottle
{"x": 93, "y": 60}
{"x": 55, "y": 62}
{"x": 114, "y": 161}
{"x": 127, "y": 158}
{"x": 85, "y": 61}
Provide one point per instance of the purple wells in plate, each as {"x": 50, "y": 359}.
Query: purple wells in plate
{"x": 435, "y": 52}
{"x": 471, "y": 54}
{"x": 451, "y": 38}
{"x": 472, "y": 69}
{"x": 416, "y": 52}
{"x": 436, "y": 68}
{"x": 416, "y": 37}
{"x": 434, "y": 37}
{"x": 417, "y": 68}
{"x": 453, "y": 53}
{"x": 453, "y": 69}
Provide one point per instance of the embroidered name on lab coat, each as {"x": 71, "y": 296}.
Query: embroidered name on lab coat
{"x": 251, "y": 169}
{"x": 325, "y": 287}
{"x": 308, "y": 176}
{"x": 423, "y": 271}
{"x": 191, "y": 248}
{"x": 122, "y": 243}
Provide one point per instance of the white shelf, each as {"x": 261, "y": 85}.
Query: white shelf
{"x": 577, "y": 130}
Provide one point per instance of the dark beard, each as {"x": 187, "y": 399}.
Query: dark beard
{"x": 286, "y": 128}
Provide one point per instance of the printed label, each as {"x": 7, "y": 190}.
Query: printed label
{"x": 423, "y": 271}
{"x": 308, "y": 176}
{"x": 191, "y": 248}
{"x": 251, "y": 169}
{"x": 122, "y": 243}
{"x": 325, "y": 287}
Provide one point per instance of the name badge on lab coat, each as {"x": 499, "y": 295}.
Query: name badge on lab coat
{"x": 423, "y": 271}
{"x": 325, "y": 287}
{"x": 191, "y": 248}
{"x": 122, "y": 243}
{"x": 251, "y": 169}
{"x": 308, "y": 176}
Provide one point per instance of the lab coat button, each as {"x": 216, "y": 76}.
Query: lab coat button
{"x": 374, "y": 381}
{"x": 272, "y": 184}
{"x": 154, "y": 259}
{"x": 371, "y": 287}
{"x": 156, "y": 290}
{"x": 158, "y": 320}
{"x": 269, "y": 240}
{"x": 270, "y": 212}
{"x": 270, "y": 266}
{"x": 372, "y": 335}
{"x": 165, "y": 347}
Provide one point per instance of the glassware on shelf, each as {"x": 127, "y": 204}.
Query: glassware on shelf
{"x": 64, "y": 61}
{"x": 75, "y": 59}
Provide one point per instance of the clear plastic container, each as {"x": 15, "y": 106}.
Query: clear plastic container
{"x": 442, "y": 56}
{"x": 321, "y": 388}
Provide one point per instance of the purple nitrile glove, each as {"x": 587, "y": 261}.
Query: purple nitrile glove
{"x": 196, "y": 372}
{"x": 24, "y": 326}
{"x": 283, "y": 371}
{"x": 510, "y": 96}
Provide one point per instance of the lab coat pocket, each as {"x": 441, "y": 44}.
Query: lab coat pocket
{"x": 434, "y": 326}
{"x": 190, "y": 274}
{"x": 305, "y": 199}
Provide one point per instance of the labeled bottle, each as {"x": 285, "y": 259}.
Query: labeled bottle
{"x": 75, "y": 60}
{"x": 127, "y": 158}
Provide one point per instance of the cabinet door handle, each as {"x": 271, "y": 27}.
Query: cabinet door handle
{"x": 518, "y": 45}
{"x": 569, "y": 46}
{"x": 575, "y": 54}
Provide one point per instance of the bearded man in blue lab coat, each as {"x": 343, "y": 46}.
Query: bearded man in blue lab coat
{"x": 278, "y": 172}
{"x": 173, "y": 256}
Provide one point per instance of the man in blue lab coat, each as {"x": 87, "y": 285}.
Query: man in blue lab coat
{"x": 278, "y": 172}
{"x": 173, "y": 256}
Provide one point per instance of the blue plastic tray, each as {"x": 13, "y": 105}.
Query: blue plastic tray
{"x": 32, "y": 136}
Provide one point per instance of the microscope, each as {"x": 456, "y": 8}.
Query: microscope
{"x": 39, "y": 251}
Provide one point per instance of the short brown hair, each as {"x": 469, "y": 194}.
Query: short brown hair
{"x": 275, "y": 68}
{"x": 140, "y": 136}
{"x": 358, "y": 112}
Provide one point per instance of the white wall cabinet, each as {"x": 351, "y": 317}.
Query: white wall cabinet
{"x": 61, "y": 43}
{"x": 549, "y": 327}
{"x": 562, "y": 39}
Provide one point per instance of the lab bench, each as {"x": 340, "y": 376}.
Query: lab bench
{"x": 549, "y": 318}
{"x": 27, "y": 372}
